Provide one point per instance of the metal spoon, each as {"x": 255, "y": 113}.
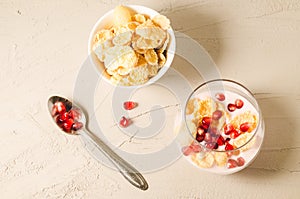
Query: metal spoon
{"x": 127, "y": 170}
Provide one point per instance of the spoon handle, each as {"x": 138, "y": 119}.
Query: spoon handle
{"x": 127, "y": 170}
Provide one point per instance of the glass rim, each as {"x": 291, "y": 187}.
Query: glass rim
{"x": 232, "y": 82}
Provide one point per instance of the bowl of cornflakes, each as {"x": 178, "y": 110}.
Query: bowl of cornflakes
{"x": 132, "y": 45}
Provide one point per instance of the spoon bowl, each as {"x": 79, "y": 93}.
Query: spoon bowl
{"x": 127, "y": 170}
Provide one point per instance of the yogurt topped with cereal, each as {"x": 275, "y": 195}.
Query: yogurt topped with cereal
{"x": 134, "y": 47}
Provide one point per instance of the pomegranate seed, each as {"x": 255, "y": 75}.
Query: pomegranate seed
{"x": 240, "y": 161}
{"x": 58, "y": 121}
{"x": 214, "y": 131}
{"x": 228, "y": 128}
{"x": 196, "y": 148}
{"x": 231, "y": 107}
{"x": 227, "y": 140}
{"x": 228, "y": 147}
{"x": 64, "y": 116}
{"x": 205, "y": 127}
{"x": 208, "y": 137}
{"x": 232, "y": 163}
{"x": 217, "y": 115}
{"x": 220, "y": 96}
{"x": 206, "y": 121}
{"x": 239, "y": 103}
{"x": 129, "y": 105}
{"x": 244, "y": 127}
{"x": 221, "y": 141}
{"x": 186, "y": 150}
{"x": 211, "y": 145}
{"x": 54, "y": 111}
{"x": 76, "y": 126}
{"x": 125, "y": 122}
{"x": 74, "y": 114}
{"x": 59, "y": 107}
{"x": 200, "y": 138}
{"x": 200, "y": 130}
{"x": 67, "y": 125}
{"x": 234, "y": 134}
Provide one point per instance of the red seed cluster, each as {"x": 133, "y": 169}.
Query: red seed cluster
{"x": 66, "y": 120}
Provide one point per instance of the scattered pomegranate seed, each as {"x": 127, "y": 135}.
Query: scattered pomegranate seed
{"x": 244, "y": 127}
{"x": 220, "y": 96}
{"x": 67, "y": 125}
{"x": 234, "y": 134}
{"x": 124, "y": 122}
{"x": 217, "y": 115}
{"x": 240, "y": 161}
{"x": 221, "y": 141}
{"x": 232, "y": 163}
{"x": 228, "y": 128}
{"x": 239, "y": 103}
{"x": 206, "y": 121}
{"x": 76, "y": 126}
{"x": 228, "y": 147}
{"x": 129, "y": 105}
{"x": 186, "y": 150}
{"x": 211, "y": 145}
{"x": 74, "y": 114}
{"x": 231, "y": 107}
{"x": 58, "y": 108}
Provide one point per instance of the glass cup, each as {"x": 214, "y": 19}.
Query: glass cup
{"x": 223, "y": 127}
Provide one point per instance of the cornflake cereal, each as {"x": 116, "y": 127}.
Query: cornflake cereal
{"x": 134, "y": 48}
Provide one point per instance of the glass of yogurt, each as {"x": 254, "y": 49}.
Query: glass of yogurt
{"x": 224, "y": 128}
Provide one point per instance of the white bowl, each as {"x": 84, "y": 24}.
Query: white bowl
{"x": 106, "y": 21}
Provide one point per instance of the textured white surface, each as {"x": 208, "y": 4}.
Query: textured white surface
{"x": 44, "y": 43}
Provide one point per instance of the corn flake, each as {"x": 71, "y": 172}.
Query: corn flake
{"x": 120, "y": 56}
{"x": 139, "y": 18}
{"x": 152, "y": 70}
{"x": 152, "y": 33}
{"x": 122, "y": 39}
{"x": 206, "y": 161}
{"x": 151, "y": 57}
{"x": 162, "y": 21}
{"x": 161, "y": 59}
{"x": 221, "y": 159}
